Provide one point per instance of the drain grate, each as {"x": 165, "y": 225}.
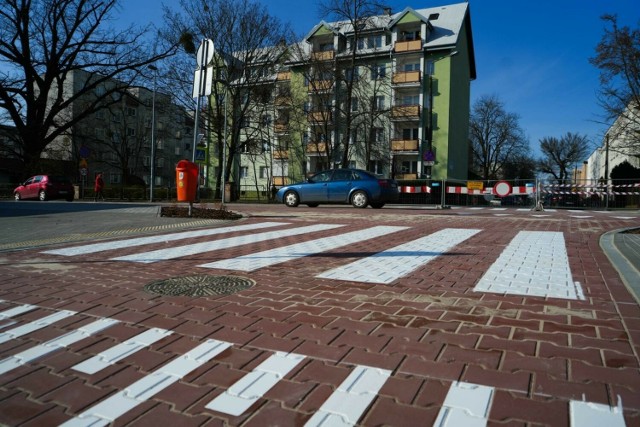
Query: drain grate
{"x": 199, "y": 285}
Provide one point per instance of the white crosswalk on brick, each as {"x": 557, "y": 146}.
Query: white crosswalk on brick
{"x": 389, "y": 265}
{"x": 258, "y": 260}
{"x": 198, "y": 248}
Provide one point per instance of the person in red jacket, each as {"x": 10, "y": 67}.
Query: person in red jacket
{"x": 99, "y": 186}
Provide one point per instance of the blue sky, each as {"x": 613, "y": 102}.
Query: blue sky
{"x": 533, "y": 55}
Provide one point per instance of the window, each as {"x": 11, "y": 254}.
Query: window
{"x": 351, "y": 74}
{"x": 378, "y": 72}
{"x": 145, "y": 161}
{"x": 377, "y": 134}
{"x": 377, "y": 103}
{"x": 264, "y": 172}
{"x": 412, "y": 67}
{"x": 354, "y": 104}
{"x": 409, "y": 167}
{"x": 411, "y": 133}
{"x": 131, "y": 132}
{"x": 266, "y": 147}
{"x": 131, "y": 112}
{"x": 100, "y": 133}
{"x": 115, "y": 178}
{"x": 375, "y": 41}
{"x": 375, "y": 166}
{"x": 160, "y": 162}
{"x": 160, "y": 144}
{"x": 244, "y": 171}
{"x": 266, "y": 120}
{"x": 177, "y": 152}
{"x": 116, "y": 117}
{"x": 411, "y": 100}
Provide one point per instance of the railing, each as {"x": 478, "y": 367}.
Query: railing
{"x": 408, "y": 46}
{"x": 405, "y": 112}
{"x": 319, "y": 116}
{"x": 280, "y": 154}
{"x": 401, "y": 77}
{"x": 281, "y": 127}
{"x": 316, "y": 147}
{"x": 320, "y": 85}
{"x": 283, "y": 75}
{"x": 326, "y": 55}
{"x": 404, "y": 145}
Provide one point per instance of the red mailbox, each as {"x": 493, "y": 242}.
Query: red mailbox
{"x": 186, "y": 180}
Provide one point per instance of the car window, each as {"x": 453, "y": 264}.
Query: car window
{"x": 29, "y": 181}
{"x": 342, "y": 175}
{"x": 321, "y": 177}
{"x": 38, "y": 179}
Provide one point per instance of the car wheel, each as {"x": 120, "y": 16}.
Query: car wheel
{"x": 313, "y": 205}
{"x": 16, "y": 196}
{"x": 42, "y": 195}
{"x": 291, "y": 199}
{"x": 359, "y": 199}
{"x": 377, "y": 205}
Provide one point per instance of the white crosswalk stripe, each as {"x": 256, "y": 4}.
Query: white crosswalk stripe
{"x": 389, "y": 265}
{"x": 16, "y": 311}
{"x": 198, "y": 248}
{"x": 38, "y": 351}
{"x": 119, "y": 352}
{"x": 465, "y": 403}
{"x": 244, "y": 393}
{"x": 535, "y": 263}
{"x": 116, "y": 405}
{"x": 128, "y": 243}
{"x": 275, "y": 256}
{"x": 34, "y": 326}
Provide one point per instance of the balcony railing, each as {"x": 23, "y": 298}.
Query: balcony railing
{"x": 404, "y": 145}
{"x": 320, "y": 85}
{"x": 326, "y": 55}
{"x": 402, "y": 77}
{"x": 283, "y": 75}
{"x": 282, "y": 101}
{"x": 281, "y": 127}
{"x": 280, "y": 180}
{"x": 406, "y": 176}
{"x": 405, "y": 112}
{"x": 408, "y": 46}
{"x": 317, "y": 147}
{"x": 280, "y": 154}
{"x": 319, "y": 116}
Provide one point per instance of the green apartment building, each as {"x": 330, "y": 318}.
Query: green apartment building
{"x": 390, "y": 94}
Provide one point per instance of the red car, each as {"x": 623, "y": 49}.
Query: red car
{"x": 45, "y": 187}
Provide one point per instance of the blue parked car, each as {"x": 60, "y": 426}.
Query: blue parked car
{"x": 343, "y": 186}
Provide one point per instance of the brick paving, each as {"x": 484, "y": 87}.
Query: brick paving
{"x": 429, "y": 328}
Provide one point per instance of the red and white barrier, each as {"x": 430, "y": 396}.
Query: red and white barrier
{"x": 415, "y": 190}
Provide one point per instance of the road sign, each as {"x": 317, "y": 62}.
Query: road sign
{"x": 201, "y": 155}
{"x": 83, "y": 171}
{"x": 502, "y": 188}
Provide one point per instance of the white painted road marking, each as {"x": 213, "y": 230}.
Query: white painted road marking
{"x": 120, "y": 351}
{"x": 35, "y": 325}
{"x": 122, "y": 402}
{"x": 16, "y": 311}
{"x": 351, "y": 399}
{"x": 587, "y": 414}
{"x": 466, "y": 405}
{"x": 258, "y": 260}
{"x": 535, "y": 263}
{"x": 389, "y": 265}
{"x": 244, "y": 393}
{"x": 197, "y": 248}
{"x": 40, "y": 350}
{"x": 118, "y": 244}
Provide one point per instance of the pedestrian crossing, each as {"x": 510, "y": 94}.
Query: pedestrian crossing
{"x": 533, "y": 264}
{"x": 465, "y": 403}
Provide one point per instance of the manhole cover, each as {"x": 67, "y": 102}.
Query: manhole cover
{"x": 199, "y": 286}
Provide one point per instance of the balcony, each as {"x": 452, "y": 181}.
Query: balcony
{"x": 326, "y": 55}
{"x": 283, "y": 76}
{"x": 316, "y": 147}
{"x": 279, "y": 181}
{"x": 320, "y": 85}
{"x": 282, "y": 101}
{"x": 404, "y": 77}
{"x": 319, "y": 116}
{"x": 406, "y": 112}
{"x": 404, "y": 145}
{"x": 281, "y": 127}
{"x": 280, "y": 155}
{"x": 407, "y": 176}
{"x": 408, "y": 46}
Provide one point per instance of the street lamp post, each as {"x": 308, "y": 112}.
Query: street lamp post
{"x": 153, "y": 132}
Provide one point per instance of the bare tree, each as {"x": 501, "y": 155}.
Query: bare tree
{"x": 559, "y": 156}
{"x": 248, "y": 42}
{"x": 618, "y": 58}
{"x": 361, "y": 17}
{"x": 42, "y": 42}
{"x": 495, "y": 136}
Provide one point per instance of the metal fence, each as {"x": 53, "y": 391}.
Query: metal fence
{"x": 577, "y": 194}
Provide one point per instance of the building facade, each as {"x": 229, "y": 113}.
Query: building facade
{"x": 390, "y": 94}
